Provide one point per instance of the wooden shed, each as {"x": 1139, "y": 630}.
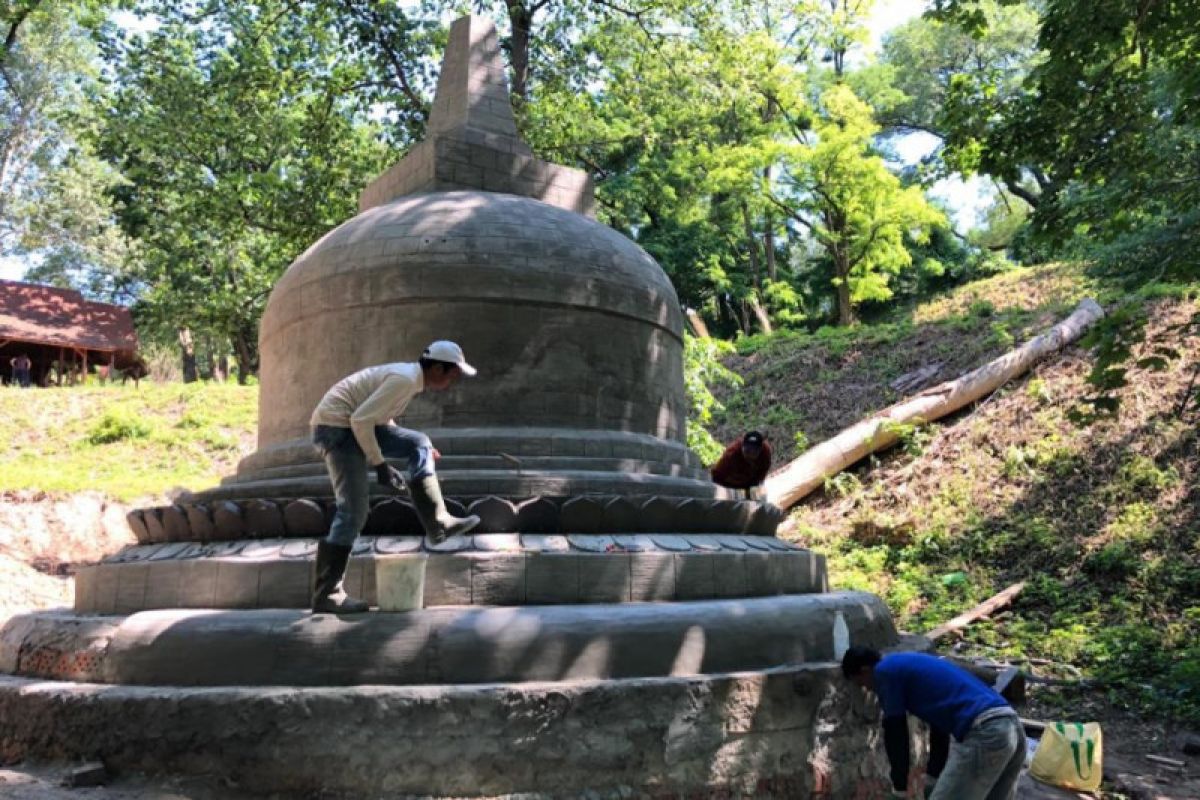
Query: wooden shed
{"x": 55, "y": 326}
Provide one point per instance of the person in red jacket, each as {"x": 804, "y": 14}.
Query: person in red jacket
{"x": 744, "y": 464}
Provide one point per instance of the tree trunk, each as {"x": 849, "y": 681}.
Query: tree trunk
{"x": 187, "y": 353}
{"x": 795, "y": 480}
{"x": 210, "y": 363}
{"x": 247, "y": 365}
{"x": 760, "y": 314}
{"x": 521, "y": 18}
{"x": 841, "y": 268}
{"x": 752, "y": 246}
{"x": 223, "y": 368}
{"x": 769, "y": 248}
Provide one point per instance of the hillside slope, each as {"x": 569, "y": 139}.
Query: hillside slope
{"x": 1103, "y": 521}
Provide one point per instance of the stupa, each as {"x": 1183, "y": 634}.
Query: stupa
{"x": 617, "y": 625}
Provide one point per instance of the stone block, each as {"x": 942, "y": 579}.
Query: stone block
{"x": 393, "y": 517}
{"x": 758, "y": 574}
{"x": 498, "y": 579}
{"x": 305, "y": 518}
{"x": 198, "y": 584}
{"x": 695, "y": 576}
{"x": 651, "y": 577}
{"x": 692, "y": 515}
{"x": 285, "y": 584}
{"x": 227, "y": 519}
{"x": 779, "y": 572}
{"x": 621, "y": 514}
{"x": 85, "y": 590}
{"x": 496, "y": 515}
{"x": 200, "y": 521}
{"x": 162, "y": 589}
{"x": 138, "y": 525}
{"x": 155, "y": 532}
{"x": 820, "y": 573}
{"x": 766, "y": 519}
{"x": 263, "y": 519}
{"x": 729, "y": 575}
{"x": 657, "y": 515}
{"x": 175, "y": 524}
{"x": 237, "y": 583}
{"x": 108, "y": 580}
{"x": 604, "y": 578}
{"x": 581, "y": 515}
{"x": 799, "y": 577}
{"x": 131, "y": 587}
{"x": 552, "y": 578}
{"x": 448, "y": 581}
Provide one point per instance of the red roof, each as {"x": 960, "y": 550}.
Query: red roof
{"x": 61, "y": 317}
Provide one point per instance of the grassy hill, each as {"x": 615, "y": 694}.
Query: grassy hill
{"x": 1103, "y": 521}
{"x": 124, "y": 442}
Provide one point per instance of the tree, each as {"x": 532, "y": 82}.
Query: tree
{"x": 956, "y": 83}
{"x": 52, "y": 188}
{"x": 242, "y": 134}
{"x": 849, "y": 203}
{"x": 1111, "y": 113}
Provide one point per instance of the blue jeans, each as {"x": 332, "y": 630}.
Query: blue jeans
{"x": 347, "y": 467}
{"x": 985, "y": 765}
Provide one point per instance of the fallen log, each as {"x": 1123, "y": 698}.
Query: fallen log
{"x": 989, "y": 606}
{"x": 800, "y": 477}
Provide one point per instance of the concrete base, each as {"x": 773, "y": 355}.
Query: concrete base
{"x": 788, "y": 733}
{"x": 179, "y": 647}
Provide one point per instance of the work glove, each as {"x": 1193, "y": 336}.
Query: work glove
{"x": 387, "y": 475}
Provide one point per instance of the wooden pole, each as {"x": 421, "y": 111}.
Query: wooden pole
{"x": 62, "y": 360}
{"x": 989, "y": 606}
{"x": 797, "y": 479}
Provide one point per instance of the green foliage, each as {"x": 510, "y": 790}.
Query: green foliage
{"x": 119, "y": 423}
{"x": 913, "y": 436}
{"x": 703, "y": 369}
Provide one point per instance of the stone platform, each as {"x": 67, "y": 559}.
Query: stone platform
{"x": 485, "y": 569}
{"x": 450, "y": 644}
{"x": 795, "y": 732}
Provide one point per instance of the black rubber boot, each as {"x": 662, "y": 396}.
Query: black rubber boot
{"x": 439, "y": 523}
{"x": 328, "y": 595}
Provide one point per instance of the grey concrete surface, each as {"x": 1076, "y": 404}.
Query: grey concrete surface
{"x": 452, "y": 644}
{"x": 488, "y": 570}
{"x": 787, "y": 733}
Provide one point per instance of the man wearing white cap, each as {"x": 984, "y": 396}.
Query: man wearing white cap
{"x": 353, "y": 430}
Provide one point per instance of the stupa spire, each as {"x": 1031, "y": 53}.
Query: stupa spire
{"x": 472, "y": 90}
{"x": 471, "y": 142}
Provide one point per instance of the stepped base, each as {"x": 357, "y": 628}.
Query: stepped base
{"x": 462, "y": 645}
{"x": 801, "y": 732}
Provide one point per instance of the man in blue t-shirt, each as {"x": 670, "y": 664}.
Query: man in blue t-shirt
{"x": 988, "y": 748}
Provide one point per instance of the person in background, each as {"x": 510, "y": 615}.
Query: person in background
{"x": 21, "y": 365}
{"x": 744, "y": 464}
{"x": 987, "y": 748}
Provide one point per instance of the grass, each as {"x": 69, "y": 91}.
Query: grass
{"x": 127, "y": 443}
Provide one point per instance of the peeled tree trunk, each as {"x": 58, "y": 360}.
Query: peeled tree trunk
{"x": 800, "y": 477}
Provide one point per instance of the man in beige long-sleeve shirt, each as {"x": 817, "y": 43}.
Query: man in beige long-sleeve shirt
{"x": 353, "y": 429}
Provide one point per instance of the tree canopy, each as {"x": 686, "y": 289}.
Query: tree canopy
{"x": 183, "y": 162}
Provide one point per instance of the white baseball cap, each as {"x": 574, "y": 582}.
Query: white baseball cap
{"x": 451, "y": 353}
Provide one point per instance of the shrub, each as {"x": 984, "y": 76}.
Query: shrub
{"x": 118, "y": 424}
